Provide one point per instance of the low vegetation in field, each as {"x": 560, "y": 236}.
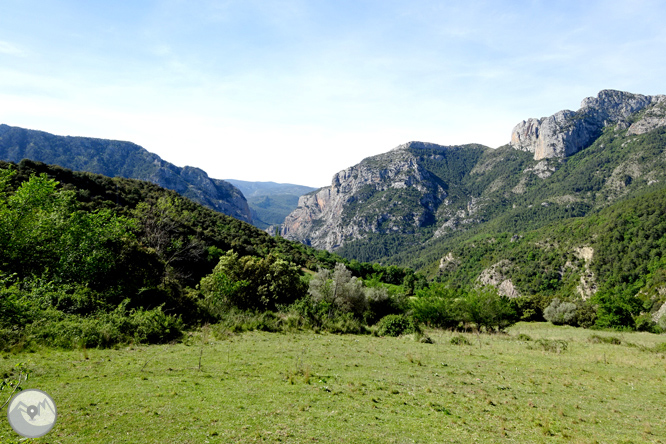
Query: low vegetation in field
{"x": 521, "y": 386}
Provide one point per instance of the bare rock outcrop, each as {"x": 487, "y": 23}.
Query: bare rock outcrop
{"x": 653, "y": 118}
{"x": 567, "y": 132}
{"x": 497, "y": 276}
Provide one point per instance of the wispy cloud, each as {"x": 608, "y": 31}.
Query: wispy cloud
{"x": 11, "y": 49}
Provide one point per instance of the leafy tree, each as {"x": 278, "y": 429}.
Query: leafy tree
{"x": 487, "y": 309}
{"x": 253, "y": 283}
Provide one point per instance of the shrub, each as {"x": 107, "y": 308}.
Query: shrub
{"x": 340, "y": 292}
{"x": 380, "y": 303}
{"x": 523, "y": 337}
{"x": 596, "y": 339}
{"x": 57, "y": 329}
{"x": 396, "y": 325}
{"x": 251, "y": 283}
{"x": 616, "y": 309}
{"x": 460, "y": 340}
{"x": 560, "y": 313}
{"x": 644, "y": 322}
{"x": 549, "y": 345}
{"x": 437, "y": 306}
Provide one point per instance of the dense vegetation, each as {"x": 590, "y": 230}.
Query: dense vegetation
{"x": 92, "y": 261}
{"x": 87, "y": 260}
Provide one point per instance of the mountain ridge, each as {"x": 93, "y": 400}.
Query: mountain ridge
{"x": 124, "y": 159}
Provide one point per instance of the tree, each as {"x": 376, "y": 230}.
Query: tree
{"x": 487, "y": 309}
{"x": 253, "y": 283}
{"x": 339, "y": 291}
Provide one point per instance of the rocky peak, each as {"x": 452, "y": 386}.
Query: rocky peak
{"x": 356, "y": 203}
{"x": 567, "y": 132}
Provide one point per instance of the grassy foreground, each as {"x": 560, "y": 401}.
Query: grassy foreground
{"x": 306, "y": 387}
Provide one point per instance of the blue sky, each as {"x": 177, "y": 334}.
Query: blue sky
{"x": 294, "y": 90}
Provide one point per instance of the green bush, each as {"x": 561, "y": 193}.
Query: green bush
{"x": 561, "y": 313}
{"x": 251, "y": 283}
{"x": 549, "y": 345}
{"x": 459, "y": 340}
{"x": 396, "y": 325}
{"x": 644, "y": 322}
{"x": 437, "y": 306}
{"x": 596, "y": 339}
{"x": 121, "y": 326}
{"x": 487, "y": 309}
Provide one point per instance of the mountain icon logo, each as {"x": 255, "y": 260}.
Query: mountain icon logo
{"x": 32, "y": 413}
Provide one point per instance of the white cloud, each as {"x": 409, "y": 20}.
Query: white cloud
{"x": 11, "y": 49}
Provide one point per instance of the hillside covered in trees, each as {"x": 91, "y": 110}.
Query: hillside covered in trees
{"x": 88, "y": 258}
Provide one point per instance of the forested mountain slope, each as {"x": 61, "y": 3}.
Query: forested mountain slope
{"x": 413, "y": 204}
{"x": 124, "y": 159}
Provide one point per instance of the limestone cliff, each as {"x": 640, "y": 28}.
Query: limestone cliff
{"x": 389, "y": 193}
{"x": 567, "y": 132}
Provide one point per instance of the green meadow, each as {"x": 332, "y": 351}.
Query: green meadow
{"x": 537, "y": 383}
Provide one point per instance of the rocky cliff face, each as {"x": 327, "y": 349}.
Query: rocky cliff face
{"x": 123, "y": 159}
{"x": 567, "y": 132}
{"x": 389, "y": 193}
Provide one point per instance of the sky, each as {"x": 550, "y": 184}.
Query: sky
{"x": 294, "y": 91}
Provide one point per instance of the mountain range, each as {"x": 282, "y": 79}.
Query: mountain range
{"x": 573, "y": 204}
{"x": 409, "y": 206}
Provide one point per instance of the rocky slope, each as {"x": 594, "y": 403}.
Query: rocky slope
{"x": 124, "y": 159}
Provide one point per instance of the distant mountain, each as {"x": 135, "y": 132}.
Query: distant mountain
{"x": 270, "y": 202}
{"x": 123, "y": 159}
{"x": 413, "y": 204}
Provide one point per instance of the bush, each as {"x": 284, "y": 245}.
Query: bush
{"x": 549, "y": 345}
{"x": 560, "y": 313}
{"x": 251, "y": 283}
{"x": 487, "y": 309}
{"x": 578, "y": 313}
{"x": 58, "y": 329}
{"x": 460, "y": 340}
{"x": 339, "y": 291}
{"x": 596, "y": 339}
{"x": 644, "y": 322}
{"x": 380, "y": 303}
{"x": 396, "y": 325}
{"x": 616, "y": 309}
{"x": 437, "y": 306}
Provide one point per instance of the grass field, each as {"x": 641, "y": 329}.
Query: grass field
{"x": 305, "y": 387}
